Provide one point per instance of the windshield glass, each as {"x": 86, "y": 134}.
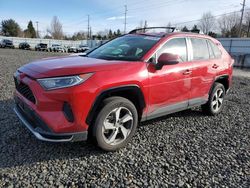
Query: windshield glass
{"x": 126, "y": 48}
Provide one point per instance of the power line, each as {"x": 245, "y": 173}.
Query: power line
{"x": 219, "y": 15}
{"x": 242, "y": 14}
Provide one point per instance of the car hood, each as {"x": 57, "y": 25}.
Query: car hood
{"x": 69, "y": 65}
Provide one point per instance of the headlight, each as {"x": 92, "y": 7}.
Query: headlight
{"x": 62, "y": 82}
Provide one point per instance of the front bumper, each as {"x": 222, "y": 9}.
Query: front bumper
{"x": 41, "y": 131}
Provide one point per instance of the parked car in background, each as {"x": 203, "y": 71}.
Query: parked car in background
{"x": 24, "y": 46}
{"x": 57, "y": 48}
{"x": 85, "y": 52}
{"x": 82, "y": 48}
{"x": 136, "y": 77}
{"x": 72, "y": 49}
{"x": 5, "y": 43}
{"x": 41, "y": 47}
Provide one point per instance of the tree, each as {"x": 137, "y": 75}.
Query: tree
{"x": 185, "y": 29}
{"x": 228, "y": 24}
{"x": 212, "y": 34}
{"x": 30, "y": 31}
{"x": 169, "y": 30}
{"x": 246, "y": 25}
{"x": 110, "y": 35}
{"x": 10, "y": 28}
{"x": 47, "y": 37}
{"x": 195, "y": 29}
{"x": 118, "y": 33}
{"x": 207, "y": 22}
{"x": 98, "y": 37}
{"x": 56, "y": 30}
{"x": 81, "y": 35}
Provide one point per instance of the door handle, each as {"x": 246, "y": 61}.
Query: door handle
{"x": 215, "y": 66}
{"x": 187, "y": 72}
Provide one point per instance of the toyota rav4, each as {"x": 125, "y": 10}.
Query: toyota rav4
{"x": 106, "y": 93}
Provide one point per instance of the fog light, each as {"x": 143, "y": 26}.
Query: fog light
{"x": 68, "y": 112}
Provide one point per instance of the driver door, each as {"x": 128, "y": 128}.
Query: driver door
{"x": 169, "y": 87}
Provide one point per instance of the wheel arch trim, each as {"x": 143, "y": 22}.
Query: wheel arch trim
{"x": 108, "y": 92}
{"x": 220, "y": 77}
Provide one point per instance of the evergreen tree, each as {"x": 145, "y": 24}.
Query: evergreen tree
{"x": 110, "y": 35}
{"x": 10, "y": 28}
{"x": 30, "y": 31}
{"x": 195, "y": 29}
{"x": 118, "y": 33}
{"x": 185, "y": 29}
{"x": 212, "y": 34}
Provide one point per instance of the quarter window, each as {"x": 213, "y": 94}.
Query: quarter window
{"x": 200, "y": 49}
{"x": 175, "y": 46}
{"x": 211, "y": 51}
{"x": 216, "y": 50}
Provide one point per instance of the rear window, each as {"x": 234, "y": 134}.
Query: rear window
{"x": 200, "y": 49}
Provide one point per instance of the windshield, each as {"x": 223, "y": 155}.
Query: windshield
{"x": 126, "y": 48}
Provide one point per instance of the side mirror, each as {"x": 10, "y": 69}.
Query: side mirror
{"x": 167, "y": 59}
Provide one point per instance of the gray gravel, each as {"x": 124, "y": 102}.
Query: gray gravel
{"x": 186, "y": 149}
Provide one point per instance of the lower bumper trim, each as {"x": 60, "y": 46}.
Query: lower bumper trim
{"x": 52, "y": 137}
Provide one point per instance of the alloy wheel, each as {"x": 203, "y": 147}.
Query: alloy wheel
{"x": 217, "y": 99}
{"x": 117, "y": 126}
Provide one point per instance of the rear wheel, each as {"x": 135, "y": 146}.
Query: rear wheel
{"x": 216, "y": 100}
{"x": 115, "y": 124}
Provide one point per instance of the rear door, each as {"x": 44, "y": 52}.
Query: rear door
{"x": 203, "y": 72}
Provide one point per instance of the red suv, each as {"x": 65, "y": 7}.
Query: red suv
{"x": 133, "y": 78}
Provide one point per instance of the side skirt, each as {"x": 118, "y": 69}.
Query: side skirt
{"x": 184, "y": 105}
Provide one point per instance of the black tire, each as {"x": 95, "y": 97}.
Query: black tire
{"x": 209, "y": 108}
{"x": 108, "y": 107}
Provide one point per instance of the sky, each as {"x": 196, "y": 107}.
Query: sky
{"x": 109, "y": 14}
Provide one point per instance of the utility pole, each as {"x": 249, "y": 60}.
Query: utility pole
{"x": 242, "y": 14}
{"x": 88, "y": 29}
{"x": 37, "y": 33}
{"x": 125, "y": 21}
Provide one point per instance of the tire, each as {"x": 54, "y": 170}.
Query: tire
{"x": 110, "y": 132}
{"x": 216, "y": 100}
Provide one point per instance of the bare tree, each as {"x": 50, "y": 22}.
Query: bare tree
{"x": 228, "y": 24}
{"x": 207, "y": 22}
{"x": 246, "y": 26}
{"x": 56, "y": 30}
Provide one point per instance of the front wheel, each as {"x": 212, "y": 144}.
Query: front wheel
{"x": 115, "y": 124}
{"x": 216, "y": 100}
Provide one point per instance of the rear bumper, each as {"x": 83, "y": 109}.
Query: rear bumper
{"x": 48, "y": 135}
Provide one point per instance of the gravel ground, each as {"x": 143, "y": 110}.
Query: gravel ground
{"x": 186, "y": 149}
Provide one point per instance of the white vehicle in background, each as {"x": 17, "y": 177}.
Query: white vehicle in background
{"x": 57, "y": 48}
{"x": 82, "y": 48}
{"x": 72, "y": 49}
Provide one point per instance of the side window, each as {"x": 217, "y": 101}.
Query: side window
{"x": 216, "y": 50}
{"x": 200, "y": 49}
{"x": 210, "y": 49}
{"x": 175, "y": 46}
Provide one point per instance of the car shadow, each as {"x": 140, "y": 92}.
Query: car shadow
{"x": 19, "y": 147}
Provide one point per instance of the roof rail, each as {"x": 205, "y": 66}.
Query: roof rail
{"x": 147, "y": 28}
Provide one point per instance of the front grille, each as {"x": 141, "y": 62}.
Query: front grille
{"x": 25, "y": 91}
